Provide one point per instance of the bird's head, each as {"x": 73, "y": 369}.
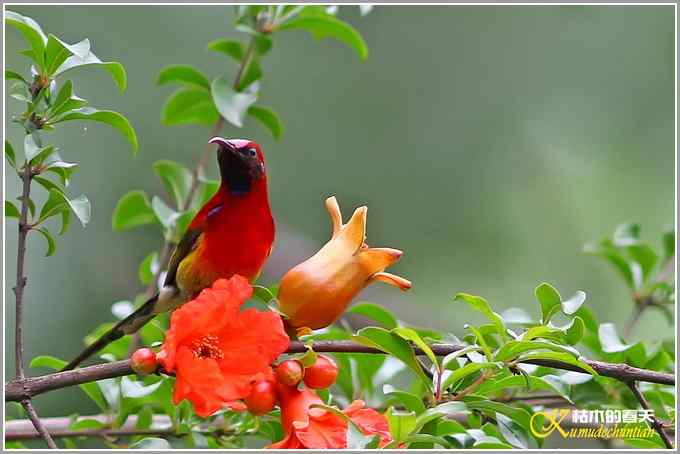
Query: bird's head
{"x": 241, "y": 163}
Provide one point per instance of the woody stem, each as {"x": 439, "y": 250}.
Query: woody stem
{"x": 20, "y": 389}
{"x": 656, "y": 423}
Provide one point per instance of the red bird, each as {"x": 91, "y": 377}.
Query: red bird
{"x": 231, "y": 234}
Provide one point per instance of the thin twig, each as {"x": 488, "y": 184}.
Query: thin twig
{"x": 17, "y": 390}
{"x": 37, "y": 423}
{"x": 656, "y": 423}
{"x": 24, "y": 228}
{"x": 641, "y": 305}
{"x": 471, "y": 387}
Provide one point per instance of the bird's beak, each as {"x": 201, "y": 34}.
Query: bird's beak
{"x": 223, "y": 144}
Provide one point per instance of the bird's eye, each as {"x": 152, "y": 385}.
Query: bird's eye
{"x": 252, "y": 152}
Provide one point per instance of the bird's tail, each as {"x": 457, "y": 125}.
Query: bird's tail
{"x": 128, "y": 325}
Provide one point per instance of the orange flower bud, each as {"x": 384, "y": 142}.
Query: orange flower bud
{"x": 143, "y": 361}
{"x": 322, "y": 374}
{"x": 289, "y": 372}
{"x": 316, "y": 292}
{"x": 262, "y": 398}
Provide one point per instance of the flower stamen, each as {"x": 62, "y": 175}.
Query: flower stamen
{"x": 207, "y": 347}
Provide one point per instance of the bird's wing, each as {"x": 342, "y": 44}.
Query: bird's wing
{"x": 183, "y": 248}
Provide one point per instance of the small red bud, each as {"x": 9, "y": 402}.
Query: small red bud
{"x": 143, "y": 361}
{"x": 262, "y": 398}
{"x": 289, "y": 372}
{"x": 322, "y": 373}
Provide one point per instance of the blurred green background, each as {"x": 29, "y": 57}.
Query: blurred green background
{"x": 489, "y": 143}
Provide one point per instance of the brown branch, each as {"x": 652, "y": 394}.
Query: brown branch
{"x": 60, "y": 427}
{"x": 24, "y": 228}
{"x": 37, "y": 423}
{"x": 17, "y": 390}
{"x": 20, "y": 287}
{"x": 656, "y": 423}
{"x": 471, "y": 387}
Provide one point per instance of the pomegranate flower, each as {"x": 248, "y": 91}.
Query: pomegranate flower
{"x": 316, "y": 292}
{"x": 316, "y": 428}
{"x": 217, "y": 351}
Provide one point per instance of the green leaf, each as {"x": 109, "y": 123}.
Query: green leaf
{"x": 148, "y": 268}
{"x": 626, "y": 234}
{"x": 512, "y": 432}
{"x": 268, "y": 118}
{"x": 450, "y": 362}
{"x": 546, "y": 382}
{"x": 411, "y": 335}
{"x": 479, "y": 304}
{"x": 121, "y": 309}
{"x": 401, "y": 424}
{"x": 132, "y": 210}
{"x": 151, "y": 443}
{"x": 113, "y": 119}
{"x": 479, "y": 338}
{"x": 165, "y": 215}
{"x": 668, "y": 242}
{"x": 231, "y": 104}
{"x": 10, "y": 155}
{"x": 230, "y": 47}
{"x": 376, "y": 313}
{"x": 57, "y": 51}
{"x": 182, "y": 223}
{"x": 189, "y": 105}
{"x": 549, "y": 299}
{"x": 144, "y": 418}
{"x": 43, "y": 154}
{"x": 252, "y": 72}
{"x": 176, "y": 179}
{"x": 13, "y": 75}
{"x": 357, "y": 440}
{"x": 574, "y": 332}
{"x": 32, "y": 33}
{"x": 11, "y": 211}
{"x": 325, "y": 26}
{"x": 644, "y": 256}
{"x": 606, "y": 250}
{"x": 206, "y": 191}
{"x": 512, "y": 349}
{"x": 64, "y": 104}
{"x": 57, "y": 201}
{"x": 519, "y": 415}
{"x": 557, "y": 356}
{"x": 410, "y": 401}
{"x": 466, "y": 370}
{"x": 516, "y": 315}
{"x": 63, "y": 96}
{"x": 394, "y": 345}
{"x": 609, "y": 339}
{"x": 19, "y": 91}
{"x": 573, "y": 304}
{"x": 115, "y": 69}
{"x": 31, "y": 148}
{"x": 85, "y": 424}
{"x": 47, "y": 184}
{"x": 441, "y": 410}
{"x": 136, "y": 389}
{"x": 91, "y": 389}
{"x": 183, "y": 74}
{"x": 411, "y": 440}
{"x": 63, "y": 169}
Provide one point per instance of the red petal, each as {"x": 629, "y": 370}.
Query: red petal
{"x": 329, "y": 434}
{"x": 251, "y": 341}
